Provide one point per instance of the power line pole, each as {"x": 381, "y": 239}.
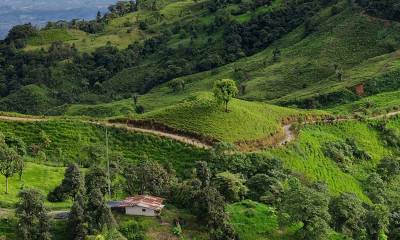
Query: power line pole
{"x": 108, "y": 165}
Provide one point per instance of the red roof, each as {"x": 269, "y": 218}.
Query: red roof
{"x": 145, "y": 201}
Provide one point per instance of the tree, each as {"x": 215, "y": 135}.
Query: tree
{"x": 152, "y": 5}
{"x": 231, "y": 186}
{"x": 209, "y": 207}
{"x": 139, "y": 109}
{"x": 45, "y": 140}
{"x": 350, "y": 3}
{"x": 72, "y": 181}
{"x": 69, "y": 186}
{"x": 20, "y": 147}
{"x": 377, "y": 221}
{"x": 185, "y": 193}
{"x": 309, "y": 206}
{"x": 33, "y": 222}
{"x": 135, "y": 98}
{"x": 348, "y": 215}
{"x": 98, "y": 214}
{"x": 17, "y": 143}
{"x": 339, "y": 74}
{"x": 203, "y": 173}
{"x": 389, "y": 168}
{"x": 177, "y": 85}
{"x": 77, "y": 225}
{"x": 374, "y": 187}
{"x": 9, "y": 162}
{"x": 148, "y": 177}
{"x": 98, "y": 16}
{"x": 394, "y": 228}
{"x": 96, "y": 178}
{"x": 21, "y": 32}
{"x": 224, "y": 90}
{"x": 265, "y": 188}
{"x": 276, "y": 54}
{"x": 19, "y": 167}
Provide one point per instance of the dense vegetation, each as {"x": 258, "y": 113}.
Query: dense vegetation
{"x": 90, "y": 76}
{"x": 204, "y": 70}
{"x": 385, "y": 9}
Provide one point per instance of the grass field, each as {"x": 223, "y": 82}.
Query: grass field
{"x": 257, "y": 221}
{"x": 117, "y": 108}
{"x": 370, "y": 105}
{"x": 40, "y": 177}
{"x": 53, "y": 35}
{"x": 306, "y": 156}
{"x": 253, "y": 221}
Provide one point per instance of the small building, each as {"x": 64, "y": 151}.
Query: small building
{"x": 360, "y": 89}
{"x": 142, "y": 205}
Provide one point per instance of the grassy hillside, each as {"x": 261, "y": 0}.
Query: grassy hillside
{"x": 121, "y": 31}
{"x": 244, "y": 121}
{"x": 74, "y": 141}
{"x": 36, "y": 176}
{"x": 380, "y": 103}
{"x": 358, "y": 44}
{"x": 253, "y": 221}
{"x": 307, "y": 155}
{"x": 257, "y": 221}
{"x": 102, "y": 110}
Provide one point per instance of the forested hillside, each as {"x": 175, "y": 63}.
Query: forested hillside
{"x": 253, "y": 119}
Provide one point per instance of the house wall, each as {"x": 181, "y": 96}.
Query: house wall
{"x": 139, "y": 211}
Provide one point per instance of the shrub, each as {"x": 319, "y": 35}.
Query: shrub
{"x": 389, "y": 168}
{"x": 139, "y": 109}
{"x": 335, "y": 10}
{"x": 57, "y": 195}
{"x": 345, "y": 153}
{"x": 391, "y": 137}
{"x": 177, "y": 85}
{"x": 132, "y": 230}
{"x": 177, "y": 230}
{"x": 143, "y": 25}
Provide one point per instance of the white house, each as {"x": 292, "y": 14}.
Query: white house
{"x": 142, "y": 205}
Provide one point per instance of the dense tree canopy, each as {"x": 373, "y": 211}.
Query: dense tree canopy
{"x": 33, "y": 222}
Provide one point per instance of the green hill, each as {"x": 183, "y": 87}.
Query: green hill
{"x": 308, "y": 155}
{"x": 245, "y": 121}
{"x": 153, "y": 65}
{"x": 359, "y": 45}
{"x": 76, "y": 141}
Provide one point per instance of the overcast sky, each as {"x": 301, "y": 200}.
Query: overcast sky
{"x": 38, "y": 12}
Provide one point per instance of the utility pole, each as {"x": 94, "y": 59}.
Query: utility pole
{"x": 108, "y": 165}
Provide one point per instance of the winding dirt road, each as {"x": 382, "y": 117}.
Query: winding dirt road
{"x": 288, "y": 134}
{"x": 183, "y": 139}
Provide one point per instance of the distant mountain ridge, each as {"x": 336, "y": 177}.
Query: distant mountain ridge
{"x": 39, "y": 12}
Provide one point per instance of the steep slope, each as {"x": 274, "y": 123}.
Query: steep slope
{"x": 361, "y": 47}
{"x": 245, "y": 121}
